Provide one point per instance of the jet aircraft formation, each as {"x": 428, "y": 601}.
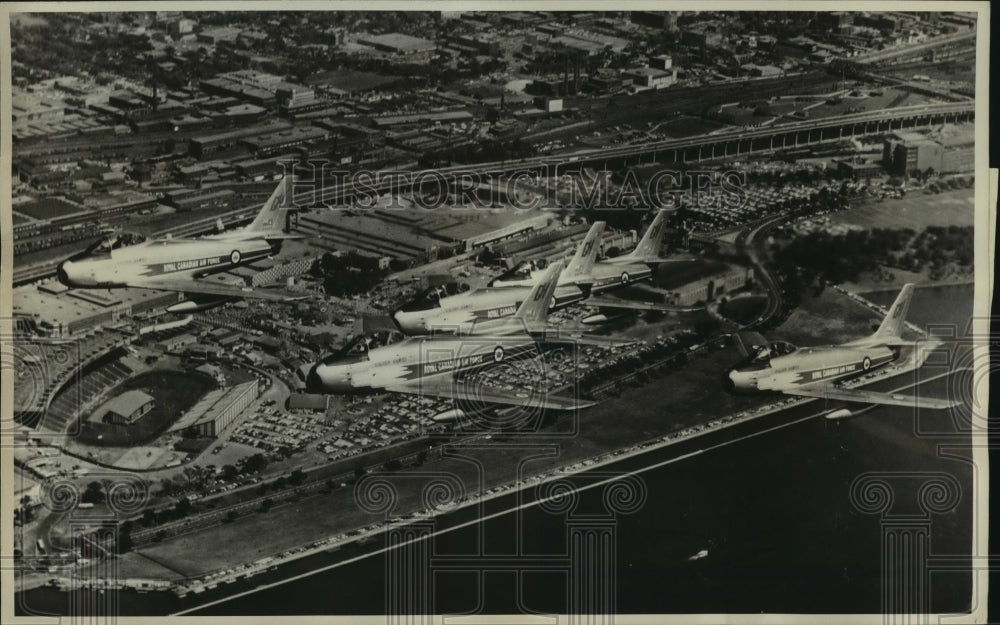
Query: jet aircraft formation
{"x": 448, "y": 332}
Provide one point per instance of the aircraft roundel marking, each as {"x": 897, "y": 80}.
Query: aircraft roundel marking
{"x": 624, "y": 277}
{"x": 234, "y": 258}
{"x": 498, "y": 353}
{"x": 866, "y": 364}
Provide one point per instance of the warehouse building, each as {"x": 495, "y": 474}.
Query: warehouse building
{"x": 220, "y": 408}
{"x": 711, "y": 288}
{"x": 906, "y": 152}
{"x": 398, "y": 43}
{"x": 60, "y": 312}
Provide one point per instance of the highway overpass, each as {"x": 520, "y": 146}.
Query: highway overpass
{"x": 727, "y": 144}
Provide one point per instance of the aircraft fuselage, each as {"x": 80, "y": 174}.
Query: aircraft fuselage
{"x": 162, "y": 259}
{"x": 413, "y": 359}
{"x": 458, "y": 313}
{"x": 810, "y": 366}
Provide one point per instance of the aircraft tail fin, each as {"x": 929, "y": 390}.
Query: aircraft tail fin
{"x": 649, "y": 245}
{"x": 891, "y": 328}
{"x": 273, "y": 215}
{"x": 534, "y": 310}
{"x": 582, "y": 263}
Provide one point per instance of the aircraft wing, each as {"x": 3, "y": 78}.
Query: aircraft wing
{"x": 661, "y": 261}
{"x": 582, "y": 338}
{"x": 442, "y": 386}
{"x": 217, "y": 288}
{"x": 614, "y": 302}
{"x": 378, "y": 323}
{"x": 827, "y": 391}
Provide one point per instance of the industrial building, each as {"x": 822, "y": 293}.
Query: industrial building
{"x": 858, "y": 168}
{"x": 906, "y": 151}
{"x": 711, "y": 288}
{"x": 61, "y": 312}
{"x": 218, "y": 409}
{"x": 650, "y": 78}
{"x": 397, "y": 43}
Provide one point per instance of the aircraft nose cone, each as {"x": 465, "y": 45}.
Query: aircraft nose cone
{"x": 729, "y": 380}
{"x": 71, "y": 274}
{"x": 61, "y": 274}
{"x": 314, "y": 383}
{"x": 328, "y": 379}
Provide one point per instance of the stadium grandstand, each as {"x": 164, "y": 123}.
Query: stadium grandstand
{"x": 87, "y": 389}
{"x": 217, "y": 409}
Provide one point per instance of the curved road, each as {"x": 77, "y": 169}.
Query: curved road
{"x": 752, "y": 240}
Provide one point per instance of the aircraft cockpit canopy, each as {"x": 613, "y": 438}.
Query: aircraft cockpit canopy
{"x": 761, "y": 358}
{"x": 431, "y": 298}
{"x": 781, "y": 348}
{"x": 114, "y": 241}
{"x": 528, "y": 267}
{"x": 358, "y": 348}
{"x": 523, "y": 270}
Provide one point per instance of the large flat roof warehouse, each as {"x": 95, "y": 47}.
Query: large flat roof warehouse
{"x": 51, "y": 208}
{"x": 398, "y": 43}
{"x": 441, "y": 116}
{"x": 486, "y": 227}
{"x": 48, "y": 302}
{"x": 349, "y": 81}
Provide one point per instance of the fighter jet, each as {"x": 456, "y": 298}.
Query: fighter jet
{"x": 429, "y": 365}
{"x": 179, "y": 264}
{"x": 597, "y": 276}
{"x": 578, "y": 271}
{"x": 637, "y": 264}
{"x": 449, "y": 307}
{"x": 815, "y": 371}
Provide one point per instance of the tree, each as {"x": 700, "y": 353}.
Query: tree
{"x": 94, "y": 493}
{"x": 124, "y": 540}
{"x": 255, "y": 463}
{"x": 359, "y": 472}
{"x": 297, "y": 477}
{"x": 266, "y": 505}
